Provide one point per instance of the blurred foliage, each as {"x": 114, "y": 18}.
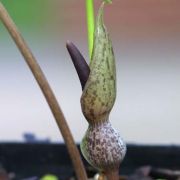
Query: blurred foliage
{"x": 49, "y": 177}
{"x": 28, "y": 13}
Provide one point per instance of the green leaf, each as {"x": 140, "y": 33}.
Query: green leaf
{"x": 90, "y": 24}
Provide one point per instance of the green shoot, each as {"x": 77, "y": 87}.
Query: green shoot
{"x": 90, "y": 24}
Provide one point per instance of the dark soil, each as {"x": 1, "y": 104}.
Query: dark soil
{"x": 32, "y": 161}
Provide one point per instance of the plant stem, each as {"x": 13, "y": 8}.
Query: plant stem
{"x": 112, "y": 174}
{"x": 48, "y": 93}
{"x": 90, "y": 24}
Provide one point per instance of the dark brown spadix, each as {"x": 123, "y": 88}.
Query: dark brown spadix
{"x": 79, "y": 62}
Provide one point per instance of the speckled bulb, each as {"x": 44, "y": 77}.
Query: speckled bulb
{"x": 103, "y": 147}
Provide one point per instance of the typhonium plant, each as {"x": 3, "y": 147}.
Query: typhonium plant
{"x": 102, "y": 146}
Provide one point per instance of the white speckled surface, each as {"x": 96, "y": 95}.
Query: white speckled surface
{"x": 103, "y": 147}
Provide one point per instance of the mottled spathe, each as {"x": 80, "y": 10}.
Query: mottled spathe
{"x": 99, "y": 93}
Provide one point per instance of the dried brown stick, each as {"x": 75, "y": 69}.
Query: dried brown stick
{"x": 48, "y": 93}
